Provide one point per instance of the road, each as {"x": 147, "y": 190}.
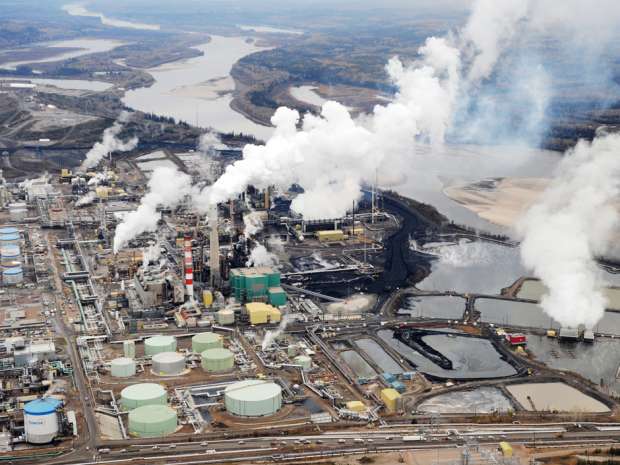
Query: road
{"x": 88, "y": 437}
{"x": 281, "y": 448}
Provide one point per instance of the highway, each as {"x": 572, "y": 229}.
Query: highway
{"x": 284, "y": 448}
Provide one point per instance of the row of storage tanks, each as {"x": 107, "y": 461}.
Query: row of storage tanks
{"x": 10, "y": 256}
{"x": 166, "y": 361}
{"x": 150, "y": 415}
{"x": 147, "y": 403}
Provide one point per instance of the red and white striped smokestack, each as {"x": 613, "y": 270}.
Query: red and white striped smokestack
{"x": 189, "y": 267}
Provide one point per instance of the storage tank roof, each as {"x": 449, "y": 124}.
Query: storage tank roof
{"x": 43, "y": 406}
{"x": 10, "y": 249}
{"x": 8, "y": 230}
{"x": 206, "y": 337}
{"x": 160, "y": 340}
{"x": 152, "y": 414}
{"x": 9, "y": 237}
{"x": 13, "y": 270}
{"x": 217, "y": 353}
{"x": 122, "y": 361}
{"x": 143, "y": 391}
{"x": 254, "y": 390}
{"x": 168, "y": 357}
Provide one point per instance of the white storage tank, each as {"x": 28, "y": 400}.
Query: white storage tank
{"x": 8, "y": 231}
{"x": 9, "y": 239}
{"x": 217, "y": 359}
{"x": 304, "y": 361}
{"x": 9, "y": 254}
{"x": 253, "y": 398}
{"x": 152, "y": 421}
{"x": 41, "y": 420}
{"x": 168, "y": 363}
{"x": 137, "y": 395}
{"x": 18, "y": 214}
{"x": 123, "y": 367}
{"x": 157, "y": 344}
{"x": 12, "y": 276}
{"x": 204, "y": 341}
{"x": 226, "y": 316}
{"x": 129, "y": 349}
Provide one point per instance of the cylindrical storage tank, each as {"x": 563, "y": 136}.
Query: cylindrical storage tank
{"x": 217, "y": 359}
{"x": 129, "y": 349}
{"x": 168, "y": 363}
{"x": 9, "y": 254}
{"x": 41, "y": 420}
{"x": 138, "y": 395}
{"x": 226, "y": 316}
{"x": 152, "y": 421}
{"x": 204, "y": 341}
{"x": 8, "y": 231}
{"x": 158, "y": 344}
{"x": 9, "y": 239}
{"x": 304, "y": 361}
{"x": 123, "y": 367}
{"x": 13, "y": 275}
{"x": 207, "y": 298}
{"x": 18, "y": 214}
{"x": 253, "y": 398}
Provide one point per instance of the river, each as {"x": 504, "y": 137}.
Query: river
{"x": 84, "y": 46}
{"x": 199, "y": 90}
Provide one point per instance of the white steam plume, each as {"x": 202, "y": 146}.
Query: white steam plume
{"x": 573, "y": 224}
{"x": 260, "y": 256}
{"x": 272, "y": 334}
{"x": 333, "y": 154}
{"x": 86, "y": 199}
{"x": 252, "y": 224}
{"x": 167, "y": 187}
{"x": 109, "y": 143}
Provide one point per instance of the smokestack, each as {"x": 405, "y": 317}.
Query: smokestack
{"x": 267, "y": 199}
{"x": 189, "y": 267}
{"x": 214, "y": 248}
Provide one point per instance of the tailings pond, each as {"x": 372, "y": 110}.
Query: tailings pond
{"x": 360, "y": 367}
{"x": 596, "y": 361}
{"x": 443, "y": 307}
{"x": 451, "y": 356}
{"x": 379, "y": 356}
{"x": 530, "y": 315}
{"x": 479, "y": 400}
{"x": 477, "y": 267}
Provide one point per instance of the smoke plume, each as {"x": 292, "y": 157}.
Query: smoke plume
{"x": 109, "y": 143}
{"x": 167, "y": 187}
{"x": 260, "y": 256}
{"x": 573, "y": 224}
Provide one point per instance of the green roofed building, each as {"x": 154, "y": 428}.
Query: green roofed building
{"x": 260, "y": 284}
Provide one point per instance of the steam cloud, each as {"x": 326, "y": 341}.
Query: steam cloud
{"x": 167, "y": 187}
{"x": 333, "y": 155}
{"x": 109, "y": 143}
{"x": 572, "y": 224}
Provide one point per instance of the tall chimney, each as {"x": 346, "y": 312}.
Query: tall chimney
{"x": 189, "y": 267}
{"x": 214, "y": 247}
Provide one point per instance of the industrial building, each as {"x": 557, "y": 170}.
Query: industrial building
{"x": 257, "y": 284}
{"x": 260, "y": 313}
